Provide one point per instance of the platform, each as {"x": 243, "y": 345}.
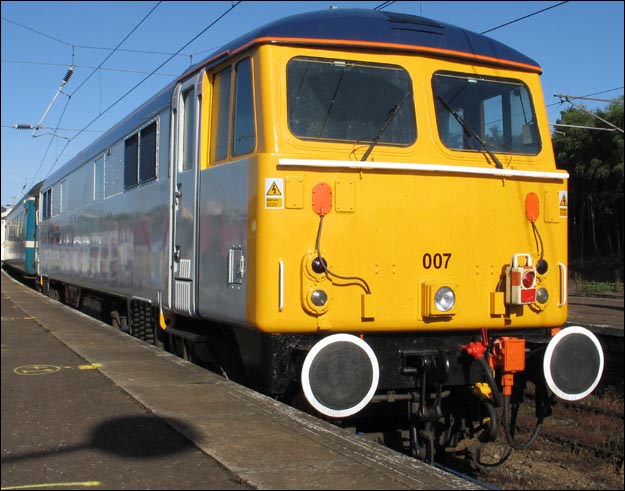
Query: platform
{"x": 97, "y": 384}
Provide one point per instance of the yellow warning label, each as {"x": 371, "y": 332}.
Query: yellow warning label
{"x": 274, "y": 193}
{"x": 274, "y": 190}
{"x": 564, "y": 204}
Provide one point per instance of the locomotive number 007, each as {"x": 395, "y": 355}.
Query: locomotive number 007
{"x": 436, "y": 261}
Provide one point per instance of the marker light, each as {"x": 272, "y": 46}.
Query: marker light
{"x": 319, "y": 265}
{"x": 532, "y": 207}
{"x": 528, "y": 279}
{"x": 542, "y": 295}
{"x": 542, "y": 266}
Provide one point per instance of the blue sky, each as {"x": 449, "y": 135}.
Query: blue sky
{"x": 578, "y": 44}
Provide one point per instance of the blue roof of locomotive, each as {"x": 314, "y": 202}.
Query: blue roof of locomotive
{"x": 379, "y": 30}
{"x": 348, "y": 28}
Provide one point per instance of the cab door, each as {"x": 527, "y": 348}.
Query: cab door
{"x": 184, "y": 189}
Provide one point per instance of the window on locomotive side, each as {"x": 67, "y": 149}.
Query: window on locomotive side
{"x": 499, "y": 111}
{"x": 140, "y": 157}
{"x": 46, "y": 207}
{"x": 233, "y": 132}
{"x": 131, "y": 159}
{"x": 187, "y": 118}
{"x": 147, "y": 153}
{"x": 349, "y": 101}
{"x": 244, "y": 133}
{"x": 220, "y": 115}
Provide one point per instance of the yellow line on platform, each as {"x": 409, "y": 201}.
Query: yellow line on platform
{"x": 86, "y": 484}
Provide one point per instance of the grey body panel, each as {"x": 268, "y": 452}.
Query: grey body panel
{"x": 222, "y": 253}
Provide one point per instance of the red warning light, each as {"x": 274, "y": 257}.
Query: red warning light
{"x": 528, "y": 279}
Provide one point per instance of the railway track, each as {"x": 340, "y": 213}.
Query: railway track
{"x": 580, "y": 447}
{"x": 592, "y": 425}
{"x": 597, "y": 408}
{"x": 614, "y": 357}
{"x": 614, "y": 454}
{"x": 581, "y": 442}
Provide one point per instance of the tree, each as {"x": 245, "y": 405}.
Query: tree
{"x": 594, "y": 160}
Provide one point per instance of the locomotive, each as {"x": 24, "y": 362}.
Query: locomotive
{"x": 350, "y": 210}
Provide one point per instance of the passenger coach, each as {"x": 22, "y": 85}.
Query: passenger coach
{"x": 19, "y": 249}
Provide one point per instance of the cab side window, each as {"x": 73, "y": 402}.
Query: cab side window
{"x": 233, "y": 126}
{"x": 244, "y": 138}
{"x": 187, "y": 139}
{"x": 221, "y": 111}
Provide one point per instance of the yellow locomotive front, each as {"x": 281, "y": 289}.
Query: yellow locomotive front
{"x": 430, "y": 185}
{"x": 407, "y": 233}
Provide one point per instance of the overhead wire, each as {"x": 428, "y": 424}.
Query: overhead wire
{"x": 125, "y": 50}
{"x": 103, "y": 69}
{"x": 524, "y": 17}
{"x": 38, "y": 32}
{"x": 69, "y": 96}
{"x": 153, "y": 71}
{"x": 383, "y": 5}
{"x": 233, "y": 5}
{"x": 18, "y": 127}
{"x": 117, "y": 47}
{"x": 71, "y": 70}
{"x": 67, "y": 43}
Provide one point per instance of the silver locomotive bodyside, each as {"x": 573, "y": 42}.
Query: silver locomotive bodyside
{"x": 223, "y": 239}
{"x": 117, "y": 241}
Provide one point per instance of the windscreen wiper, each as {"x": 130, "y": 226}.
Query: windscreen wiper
{"x": 391, "y": 115}
{"x": 470, "y": 131}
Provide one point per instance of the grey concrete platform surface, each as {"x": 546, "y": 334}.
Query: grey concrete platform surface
{"x": 263, "y": 443}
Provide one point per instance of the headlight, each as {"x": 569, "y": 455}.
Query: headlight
{"x": 439, "y": 299}
{"x": 445, "y": 299}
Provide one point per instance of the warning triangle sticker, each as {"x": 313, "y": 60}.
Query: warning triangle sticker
{"x": 274, "y": 190}
{"x": 563, "y": 200}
